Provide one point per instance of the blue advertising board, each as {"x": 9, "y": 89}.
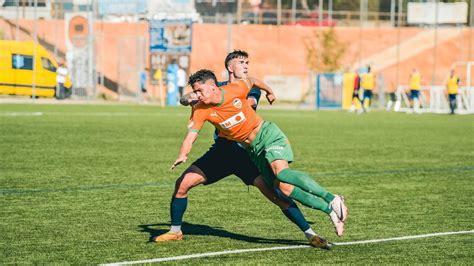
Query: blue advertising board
{"x": 170, "y": 36}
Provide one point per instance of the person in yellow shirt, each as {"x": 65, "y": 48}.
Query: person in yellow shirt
{"x": 368, "y": 84}
{"x": 415, "y": 86}
{"x": 452, "y": 86}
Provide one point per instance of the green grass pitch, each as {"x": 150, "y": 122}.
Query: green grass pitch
{"x": 90, "y": 184}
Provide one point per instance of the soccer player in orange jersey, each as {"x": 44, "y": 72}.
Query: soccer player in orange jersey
{"x": 226, "y": 108}
{"x": 226, "y": 157}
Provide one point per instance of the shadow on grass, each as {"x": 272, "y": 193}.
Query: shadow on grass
{"x": 204, "y": 230}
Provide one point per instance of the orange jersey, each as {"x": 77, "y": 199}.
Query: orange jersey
{"x": 233, "y": 116}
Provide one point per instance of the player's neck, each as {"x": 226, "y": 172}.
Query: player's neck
{"x": 233, "y": 79}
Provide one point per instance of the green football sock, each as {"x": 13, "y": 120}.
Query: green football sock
{"x": 310, "y": 200}
{"x": 306, "y": 183}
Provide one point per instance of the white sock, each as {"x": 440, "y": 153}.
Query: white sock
{"x": 309, "y": 233}
{"x": 397, "y": 106}
{"x": 175, "y": 228}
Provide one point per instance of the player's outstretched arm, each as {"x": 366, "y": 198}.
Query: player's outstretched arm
{"x": 189, "y": 98}
{"x": 186, "y": 147}
{"x": 251, "y": 81}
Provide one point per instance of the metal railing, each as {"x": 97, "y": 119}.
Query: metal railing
{"x": 305, "y": 17}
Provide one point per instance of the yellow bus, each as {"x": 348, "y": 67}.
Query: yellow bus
{"x": 16, "y": 70}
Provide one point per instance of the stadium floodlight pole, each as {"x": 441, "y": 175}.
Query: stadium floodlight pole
{"x": 279, "y": 13}
{"x": 139, "y": 69}
{"x": 17, "y": 26}
{"x": 55, "y": 51}
{"x": 230, "y": 19}
{"x": 293, "y": 12}
{"x": 320, "y": 15}
{"x": 91, "y": 51}
{"x": 35, "y": 40}
{"x": 399, "y": 19}
{"x": 392, "y": 13}
{"x": 433, "y": 77}
{"x": 239, "y": 12}
{"x": 471, "y": 24}
{"x": 330, "y": 12}
{"x": 361, "y": 24}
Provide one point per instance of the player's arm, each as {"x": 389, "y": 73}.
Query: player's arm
{"x": 186, "y": 147}
{"x": 253, "y": 97}
{"x": 196, "y": 121}
{"x": 262, "y": 86}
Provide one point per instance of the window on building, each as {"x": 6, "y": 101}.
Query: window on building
{"x": 24, "y": 3}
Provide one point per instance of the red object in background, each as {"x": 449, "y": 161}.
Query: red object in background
{"x": 312, "y": 22}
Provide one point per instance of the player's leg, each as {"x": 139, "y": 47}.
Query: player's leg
{"x": 353, "y": 103}
{"x": 246, "y": 170}
{"x": 274, "y": 150}
{"x": 336, "y": 208}
{"x": 363, "y": 101}
{"x": 190, "y": 178}
{"x": 202, "y": 171}
{"x": 452, "y": 102}
{"x": 306, "y": 190}
{"x": 369, "y": 100}
{"x": 287, "y": 206}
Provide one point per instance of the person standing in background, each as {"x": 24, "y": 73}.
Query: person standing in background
{"x": 61, "y": 73}
{"x": 452, "y": 86}
{"x": 368, "y": 84}
{"x": 355, "y": 92}
{"x": 143, "y": 79}
{"x": 181, "y": 81}
{"x": 415, "y": 86}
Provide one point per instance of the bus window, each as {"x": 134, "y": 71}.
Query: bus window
{"x": 47, "y": 64}
{"x": 20, "y": 61}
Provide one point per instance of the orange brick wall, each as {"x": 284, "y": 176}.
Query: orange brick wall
{"x": 273, "y": 50}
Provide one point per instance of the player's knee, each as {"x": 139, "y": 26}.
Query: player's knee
{"x": 278, "y": 165}
{"x": 186, "y": 182}
{"x": 285, "y": 188}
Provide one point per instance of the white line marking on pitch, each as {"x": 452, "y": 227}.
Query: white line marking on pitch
{"x": 210, "y": 254}
{"x": 21, "y": 114}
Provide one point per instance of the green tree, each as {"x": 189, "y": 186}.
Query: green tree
{"x": 324, "y": 51}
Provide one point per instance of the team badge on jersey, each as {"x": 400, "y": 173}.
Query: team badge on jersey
{"x": 237, "y": 103}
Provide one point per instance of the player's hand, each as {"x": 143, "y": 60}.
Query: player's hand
{"x": 181, "y": 159}
{"x": 270, "y": 97}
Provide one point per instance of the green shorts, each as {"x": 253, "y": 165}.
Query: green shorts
{"x": 269, "y": 145}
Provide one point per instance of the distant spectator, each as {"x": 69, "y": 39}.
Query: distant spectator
{"x": 355, "y": 93}
{"x": 394, "y": 98}
{"x": 415, "y": 86}
{"x": 452, "y": 86}
{"x": 143, "y": 79}
{"x": 368, "y": 84}
{"x": 143, "y": 85}
{"x": 61, "y": 74}
{"x": 181, "y": 81}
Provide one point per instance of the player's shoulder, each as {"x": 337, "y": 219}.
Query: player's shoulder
{"x": 222, "y": 83}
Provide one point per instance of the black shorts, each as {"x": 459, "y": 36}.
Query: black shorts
{"x": 225, "y": 158}
{"x": 414, "y": 94}
{"x": 367, "y": 94}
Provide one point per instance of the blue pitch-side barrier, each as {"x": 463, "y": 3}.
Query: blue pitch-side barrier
{"x": 329, "y": 91}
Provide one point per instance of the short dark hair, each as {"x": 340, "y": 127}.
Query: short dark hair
{"x": 233, "y": 55}
{"x": 202, "y": 76}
